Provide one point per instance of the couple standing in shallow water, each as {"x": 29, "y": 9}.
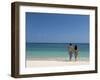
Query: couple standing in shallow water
{"x": 73, "y": 49}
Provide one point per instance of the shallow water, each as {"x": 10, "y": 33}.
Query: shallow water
{"x": 55, "y": 51}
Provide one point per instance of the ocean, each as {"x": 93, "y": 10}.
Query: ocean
{"x": 55, "y": 51}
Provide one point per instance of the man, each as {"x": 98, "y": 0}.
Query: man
{"x": 70, "y": 49}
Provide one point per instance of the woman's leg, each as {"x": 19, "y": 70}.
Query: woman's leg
{"x": 76, "y": 56}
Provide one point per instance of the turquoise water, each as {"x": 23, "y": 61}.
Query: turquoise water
{"x": 55, "y": 51}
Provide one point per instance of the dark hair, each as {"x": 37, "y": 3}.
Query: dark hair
{"x": 70, "y": 44}
{"x": 75, "y": 47}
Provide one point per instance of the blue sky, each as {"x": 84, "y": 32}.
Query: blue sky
{"x": 57, "y": 28}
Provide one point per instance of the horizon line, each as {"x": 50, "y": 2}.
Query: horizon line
{"x": 57, "y": 42}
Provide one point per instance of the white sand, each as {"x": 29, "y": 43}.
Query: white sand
{"x": 45, "y": 63}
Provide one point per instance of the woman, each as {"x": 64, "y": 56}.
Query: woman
{"x": 76, "y": 52}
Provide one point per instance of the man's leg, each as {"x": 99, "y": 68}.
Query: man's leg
{"x": 70, "y": 56}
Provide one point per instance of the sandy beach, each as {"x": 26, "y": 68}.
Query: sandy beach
{"x": 48, "y": 63}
